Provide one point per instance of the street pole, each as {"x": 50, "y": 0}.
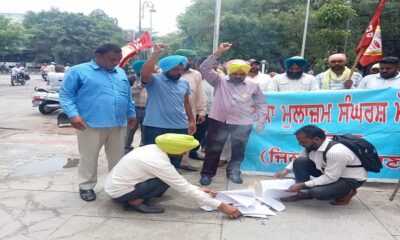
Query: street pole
{"x": 347, "y": 30}
{"x": 216, "y": 24}
{"x": 140, "y": 17}
{"x": 303, "y": 45}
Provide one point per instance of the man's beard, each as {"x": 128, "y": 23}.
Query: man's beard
{"x": 173, "y": 77}
{"x": 388, "y": 75}
{"x": 254, "y": 69}
{"x": 311, "y": 148}
{"x": 294, "y": 75}
{"x": 338, "y": 67}
{"x": 188, "y": 65}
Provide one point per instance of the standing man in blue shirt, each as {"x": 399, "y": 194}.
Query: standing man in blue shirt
{"x": 168, "y": 109}
{"x": 97, "y": 99}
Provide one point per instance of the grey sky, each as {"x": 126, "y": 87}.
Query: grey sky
{"x": 126, "y": 11}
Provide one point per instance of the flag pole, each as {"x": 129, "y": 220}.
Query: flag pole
{"x": 353, "y": 68}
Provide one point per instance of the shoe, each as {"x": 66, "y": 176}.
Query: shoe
{"x": 87, "y": 195}
{"x": 142, "y": 208}
{"x": 345, "y": 199}
{"x": 194, "y": 155}
{"x": 297, "y": 197}
{"x": 235, "y": 178}
{"x": 201, "y": 154}
{"x": 205, "y": 180}
{"x": 222, "y": 163}
{"x": 189, "y": 168}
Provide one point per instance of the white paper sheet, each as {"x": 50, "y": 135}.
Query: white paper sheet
{"x": 275, "y": 204}
{"x": 256, "y": 209}
{"x": 267, "y": 192}
{"x": 274, "y": 189}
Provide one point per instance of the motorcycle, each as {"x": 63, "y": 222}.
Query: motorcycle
{"x": 44, "y": 75}
{"x": 18, "y": 78}
{"x": 46, "y": 100}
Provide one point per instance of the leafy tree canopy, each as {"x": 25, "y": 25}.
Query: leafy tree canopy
{"x": 13, "y": 37}
{"x": 70, "y": 37}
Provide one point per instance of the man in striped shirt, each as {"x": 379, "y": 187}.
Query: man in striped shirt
{"x": 334, "y": 179}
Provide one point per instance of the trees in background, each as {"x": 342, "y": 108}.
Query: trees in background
{"x": 273, "y": 29}
{"x": 13, "y": 37}
{"x": 70, "y": 37}
{"x": 262, "y": 29}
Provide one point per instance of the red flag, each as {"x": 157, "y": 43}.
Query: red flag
{"x": 374, "y": 51}
{"x": 369, "y": 33}
{"x": 134, "y": 47}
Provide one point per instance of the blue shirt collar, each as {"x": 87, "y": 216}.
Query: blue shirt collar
{"x": 95, "y": 66}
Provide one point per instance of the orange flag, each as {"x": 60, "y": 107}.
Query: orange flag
{"x": 374, "y": 51}
{"x": 134, "y": 47}
{"x": 371, "y": 41}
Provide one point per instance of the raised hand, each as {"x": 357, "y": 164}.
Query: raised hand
{"x": 159, "y": 48}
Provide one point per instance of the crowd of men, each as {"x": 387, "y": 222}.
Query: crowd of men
{"x": 204, "y": 112}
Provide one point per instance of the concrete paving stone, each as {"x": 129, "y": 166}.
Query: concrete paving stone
{"x": 177, "y": 208}
{"x": 40, "y": 225}
{"x": 81, "y": 227}
{"x": 388, "y": 212}
{"x": 10, "y": 228}
{"x": 20, "y": 237}
{"x": 300, "y": 221}
{"x": 60, "y": 202}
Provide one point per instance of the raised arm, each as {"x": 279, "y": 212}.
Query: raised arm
{"x": 206, "y": 68}
{"x": 148, "y": 66}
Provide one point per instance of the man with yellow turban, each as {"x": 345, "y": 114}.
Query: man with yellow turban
{"x": 337, "y": 77}
{"x": 231, "y": 114}
{"x": 147, "y": 172}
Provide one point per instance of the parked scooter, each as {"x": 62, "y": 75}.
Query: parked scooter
{"x": 48, "y": 101}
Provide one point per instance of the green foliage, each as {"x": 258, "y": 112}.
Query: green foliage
{"x": 333, "y": 14}
{"x": 262, "y": 29}
{"x": 13, "y": 37}
{"x": 273, "y": 29}
{"x": 70, "y": 37}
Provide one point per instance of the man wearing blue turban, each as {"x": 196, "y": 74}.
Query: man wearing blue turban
{"x": 168, "y": 109}
{"x": 294, "y": 79}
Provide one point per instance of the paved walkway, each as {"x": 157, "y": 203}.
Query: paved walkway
{"x": 39, "y": 200}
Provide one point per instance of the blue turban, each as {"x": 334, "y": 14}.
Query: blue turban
{"x": 170, "y": 62}
{"x": 299, "y": 61}
{"x": 137, "y": 66}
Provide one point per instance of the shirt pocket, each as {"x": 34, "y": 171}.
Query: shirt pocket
{"x": 122, "y": 88}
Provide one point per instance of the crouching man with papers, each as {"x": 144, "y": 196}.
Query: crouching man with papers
{"x": 335, "y": 178}
{"x": 147, "y": 172}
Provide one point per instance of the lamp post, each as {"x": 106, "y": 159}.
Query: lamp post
{"x": 150, "y": 5}
{"x": 347, "y": 29}
{"x": 303, "y": 45}
{"x": 147, "y": 4}
{"x": 216, "y": 26}
{"x": 140, "y": 17}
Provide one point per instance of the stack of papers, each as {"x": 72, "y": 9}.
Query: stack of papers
{"x": 259, "y": 201}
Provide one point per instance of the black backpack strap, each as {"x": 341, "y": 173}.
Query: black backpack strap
{"x": 330, "y": 144}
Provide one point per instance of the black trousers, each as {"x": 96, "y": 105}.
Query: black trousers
{"x": 304, "y": 167}
{"x": 200, "y": 133}
{"x": 153, "y": 187}
{"x": 217, "y": 133}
